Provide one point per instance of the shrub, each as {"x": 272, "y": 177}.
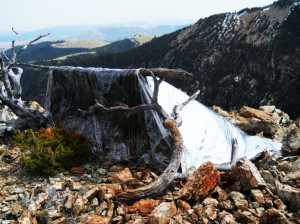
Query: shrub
{"x": 52, "y": 150}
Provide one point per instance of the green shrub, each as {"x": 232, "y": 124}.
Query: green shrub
{"x": 53, "y": 150}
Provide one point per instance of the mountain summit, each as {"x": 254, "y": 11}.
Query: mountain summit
{"x": 249, "y": 57}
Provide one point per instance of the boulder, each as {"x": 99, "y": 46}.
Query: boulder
{"x": 201, "y": 183}
{"x": 163, "y": 213}
{"x": 245, "y": 172}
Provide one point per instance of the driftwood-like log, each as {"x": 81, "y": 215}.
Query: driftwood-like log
{"x": 158, "y": 72}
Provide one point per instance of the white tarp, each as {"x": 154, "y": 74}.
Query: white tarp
{"x": 207, "y": 136}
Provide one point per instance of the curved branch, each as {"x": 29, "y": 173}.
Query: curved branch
{"x": 35, "y": 66}
{"x": 163, "y": 181}
{"x": 30, "y": 42}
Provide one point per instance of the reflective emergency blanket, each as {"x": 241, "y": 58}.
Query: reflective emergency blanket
{"x": 207, "y": 136}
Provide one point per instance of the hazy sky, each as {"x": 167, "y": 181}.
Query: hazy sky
{"x": 36, "y": 14}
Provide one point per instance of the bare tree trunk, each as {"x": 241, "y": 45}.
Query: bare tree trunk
{"x": 11, "y": 91}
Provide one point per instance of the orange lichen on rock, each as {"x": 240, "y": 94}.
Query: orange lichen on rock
{"x": 199, "y": 185}
{"x": 250, "y": 112}
{"x": 144, "y": 206}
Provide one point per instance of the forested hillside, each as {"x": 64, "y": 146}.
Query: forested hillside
{"x": 249, "y": 58}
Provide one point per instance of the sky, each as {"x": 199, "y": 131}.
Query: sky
{"x": 25, "y": 15}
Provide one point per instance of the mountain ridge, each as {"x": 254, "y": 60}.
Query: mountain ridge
{"x": 246, "y": 58}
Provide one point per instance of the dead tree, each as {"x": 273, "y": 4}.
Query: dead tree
{"x": 10, "y": 95}
{"x": 171, "y": 123}
{"x": 11, "y": 91}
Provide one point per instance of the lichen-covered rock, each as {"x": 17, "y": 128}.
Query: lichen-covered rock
{"x": 163, "y": 213}
{"x": 250, "y": 112}
{"x": 247, "y": 174}
{"x": 273, "y": 216}
{"x": 201, "y": 183}
{"x": 144, "y": 206}
{"x": 122, "y": 176}
{"x": 291, "y": 142}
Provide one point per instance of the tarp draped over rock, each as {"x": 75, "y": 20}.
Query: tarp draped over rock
{"x": 207, "y": 136}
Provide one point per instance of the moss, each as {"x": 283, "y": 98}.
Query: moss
{"x": 53, "y": 150}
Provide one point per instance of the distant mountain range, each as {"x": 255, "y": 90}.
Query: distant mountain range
{"x": 56, "y": 52}
{"x": 110, "y": 32}
{"x": 251, "y": 57}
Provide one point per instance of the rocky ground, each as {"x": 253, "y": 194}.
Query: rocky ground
{"x": 263, "y": 190}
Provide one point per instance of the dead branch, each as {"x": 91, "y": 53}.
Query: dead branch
{"x": 166, "y": 73}
{"x": 161, "y": 183}
{"x": 34, "y": 66}
{"x": 11, "y": 91}
{"x": 178, "y": 108}
{"x": 234, "y": 152}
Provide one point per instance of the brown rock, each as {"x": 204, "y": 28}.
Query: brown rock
{"x": 101, "y": 208}
{"x": 194, "y": 217}
{"x": 42, "y": 197}
{"x": 222, "y": 195}
{"x": 273, "y": 216}
{"x": 182, "y": 207}
{"x": 109, "y": 190}
{"x": 247, "y": 174}
{"x": 291, "y": 142}
{"x": 250, "y": 112}
{"x": 241, "y": 204}
{"x": 178, "y": 218}
{"x": 209, "y": 212}
{"x": 91, "y": 193}
{"x": 110, "y": 210}
{"x": 199, "y": 185}
{"x": 144, "y": 206}
{"x": 163, "y": 213}
{"x": 139, "y": 175}
{"x": 258, "y": 196}
{"x": 54, "y": 214}
{"x": 77, "y": 170}
{"x": 172, "y": 221}
{"x": 122, "y": 209}
{"x": 122, "y": 176}
{"x": 33, "y": 208}
{"x": 245, "y": 217}
{"x": 12, "y": 155}
{"x": 225, "y": 205}
{"x": 115, "y": 168}
{"x": 198, "y": 209}
{"x": 62, "y": 220}
{"x": 234, "y": 195}
{"x": 79, "y": 205}
{"x": 70, "y": 201}
{"x": 226, "y": 218}
{"x": 36, "y": 106}
{"x": 210, "y": 201}
{"x": 290, "y": 196}
{"x": 280, "y": 205}
{"x": 96, "y": 219}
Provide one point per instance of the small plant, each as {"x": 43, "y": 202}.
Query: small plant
{"x": 9, "y": 183}
{"x": 53, "y": 150}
